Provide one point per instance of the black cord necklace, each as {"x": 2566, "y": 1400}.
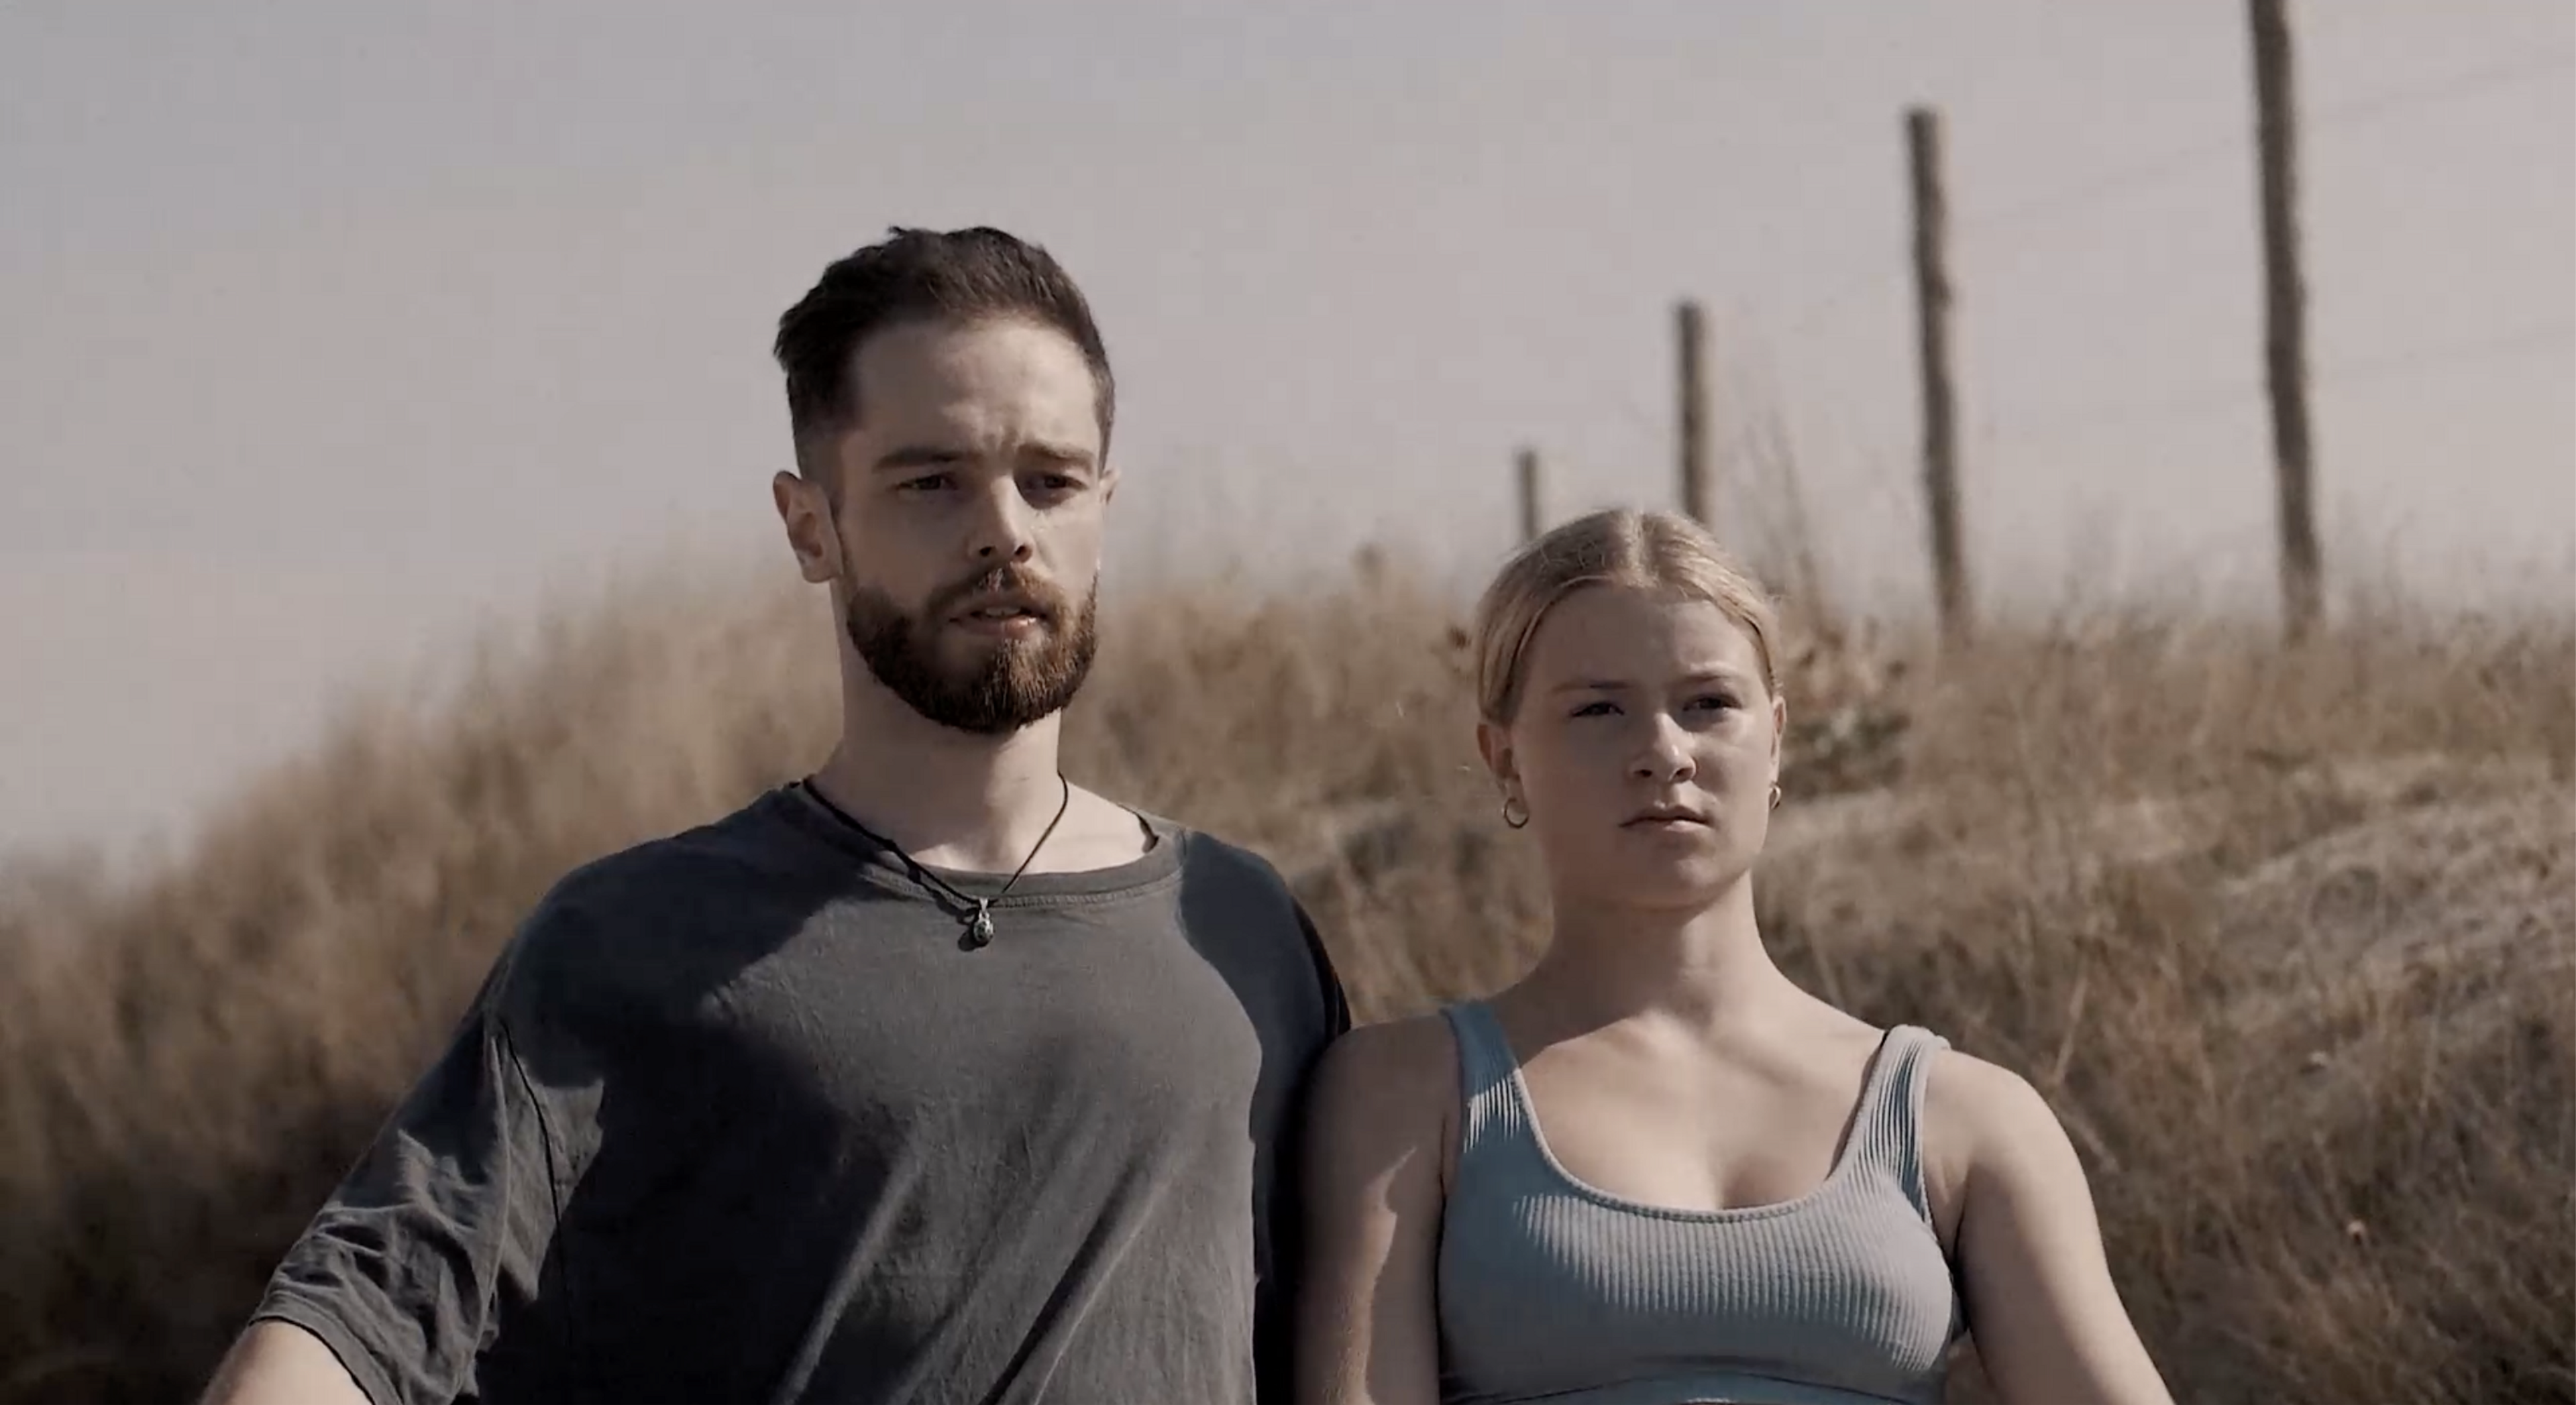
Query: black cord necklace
{"x": 979, "y": 924}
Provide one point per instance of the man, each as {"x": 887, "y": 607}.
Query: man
{"x": 929, "y": 1078}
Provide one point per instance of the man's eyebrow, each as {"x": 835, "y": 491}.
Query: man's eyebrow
{"x": 919, "y": 456}
{"x": 1068, "y": 455}
{"x": 933, "y": 456}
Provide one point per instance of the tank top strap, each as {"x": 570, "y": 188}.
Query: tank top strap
{"x": 1887, "y": 1127}
{"x": 1488, "y": 1098}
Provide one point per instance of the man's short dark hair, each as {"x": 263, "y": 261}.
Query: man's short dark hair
{"x": 965, "y": 275}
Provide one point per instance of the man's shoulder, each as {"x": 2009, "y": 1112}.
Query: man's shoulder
{"x": 1210, "y": 858}
{"x": 1232, "y": 896}
{"x": 746, "y": 847}
{"x": 665, "y": 890}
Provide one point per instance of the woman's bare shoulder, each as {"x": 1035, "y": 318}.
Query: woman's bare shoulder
{"x": 1393, "y": 1068}
{"x": 1981, "y": 1099}
{"x": 1985, "y": 1122}
{"x": 1385, "y": 1097}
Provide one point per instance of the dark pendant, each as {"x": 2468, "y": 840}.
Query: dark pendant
{"x": 980, "y": 931}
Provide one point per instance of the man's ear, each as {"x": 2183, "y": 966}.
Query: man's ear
{"x": 805, "y": 512}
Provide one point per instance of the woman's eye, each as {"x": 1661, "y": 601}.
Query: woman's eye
{"x": 1595, "y": 709}
{"x": 1714, "y": 700}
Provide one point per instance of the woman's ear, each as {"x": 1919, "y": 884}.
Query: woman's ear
{"x": 1495, "y": 744}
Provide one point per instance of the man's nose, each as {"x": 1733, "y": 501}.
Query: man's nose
{"x": 1004, "y": 526}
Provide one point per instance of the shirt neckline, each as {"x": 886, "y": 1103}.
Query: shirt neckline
{"x": 882, "y": 864}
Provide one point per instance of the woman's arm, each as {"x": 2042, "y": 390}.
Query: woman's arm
{"x": 1380, "y": 1116}
{"x": 2048, "y": 1321}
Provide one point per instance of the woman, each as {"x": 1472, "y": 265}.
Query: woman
{"x": 1654, "y": 1170}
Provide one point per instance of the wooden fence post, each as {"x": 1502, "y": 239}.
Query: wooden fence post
{"x": 1932, "y": 293}
{"x": 2285, "y": 339}
{"x": 1690, "y": 331}
{"x": 1531, "y": 517}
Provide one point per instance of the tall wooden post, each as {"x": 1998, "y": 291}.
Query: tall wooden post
{"x": 2285, "y": 336}
{"x": 1690, "y": 331}
{"x": 1940, "y": 412}
{"x": 1531, "y": 518}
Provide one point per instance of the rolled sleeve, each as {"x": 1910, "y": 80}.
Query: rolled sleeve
{"x": 405, "y": 1271}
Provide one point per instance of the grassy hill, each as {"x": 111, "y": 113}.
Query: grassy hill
{"x": 2289, "y": 938}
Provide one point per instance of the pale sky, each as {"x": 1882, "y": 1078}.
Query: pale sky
{"x": 326, "y": 329}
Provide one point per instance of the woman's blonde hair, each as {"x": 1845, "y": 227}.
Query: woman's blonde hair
{"x": 1618, "y": 546}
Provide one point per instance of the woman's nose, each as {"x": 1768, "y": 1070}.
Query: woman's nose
{"x": 1666, "y": 757}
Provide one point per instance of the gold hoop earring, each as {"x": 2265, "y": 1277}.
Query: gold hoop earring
{"x": 1775, "y": 795}
{"x": 1512, "y": 803}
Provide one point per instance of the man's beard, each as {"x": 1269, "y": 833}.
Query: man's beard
{"x": 1014, "y": 682}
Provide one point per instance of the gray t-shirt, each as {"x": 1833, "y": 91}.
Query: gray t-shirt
{"x": 739, "y": 1116}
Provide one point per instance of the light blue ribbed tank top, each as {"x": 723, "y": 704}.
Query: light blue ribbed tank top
{"x": 1552, "y": 1290}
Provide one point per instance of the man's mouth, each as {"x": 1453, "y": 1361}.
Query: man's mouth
{"x": 1008, "y": 615}
{"x": 1000, "y": 605}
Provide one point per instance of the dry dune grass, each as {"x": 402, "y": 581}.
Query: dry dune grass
{"x": 2290, "y": 938}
